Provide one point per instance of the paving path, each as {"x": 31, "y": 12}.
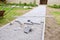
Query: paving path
{"x": 16, "y": 30}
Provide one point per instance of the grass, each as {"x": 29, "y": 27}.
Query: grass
{"x": 57, "y": 16}
{"x": 11, "y": 13}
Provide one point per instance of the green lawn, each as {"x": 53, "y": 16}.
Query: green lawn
{"x": 11, "y": 13}
{"x": 57, "y": 16}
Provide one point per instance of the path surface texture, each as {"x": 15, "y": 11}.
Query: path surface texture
{"x": 35, "y": 19}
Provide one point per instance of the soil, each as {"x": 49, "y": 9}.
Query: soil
{"x": 52, "y": 29}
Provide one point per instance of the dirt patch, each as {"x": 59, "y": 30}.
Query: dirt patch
{"x": 52, "y": 31}
{"x": 22, "y": 11}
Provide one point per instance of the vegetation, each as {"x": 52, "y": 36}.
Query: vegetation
{"x": 11, "y": 13}
{"x": 57, "y": 16}
{"x": 20, "y": 4}
{"x": 54, "y": 6}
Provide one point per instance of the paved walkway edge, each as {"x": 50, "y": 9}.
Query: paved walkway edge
{"x": 44, "y": 25}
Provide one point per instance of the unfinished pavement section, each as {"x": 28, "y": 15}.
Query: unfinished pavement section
{"x": 16, "y": 31}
